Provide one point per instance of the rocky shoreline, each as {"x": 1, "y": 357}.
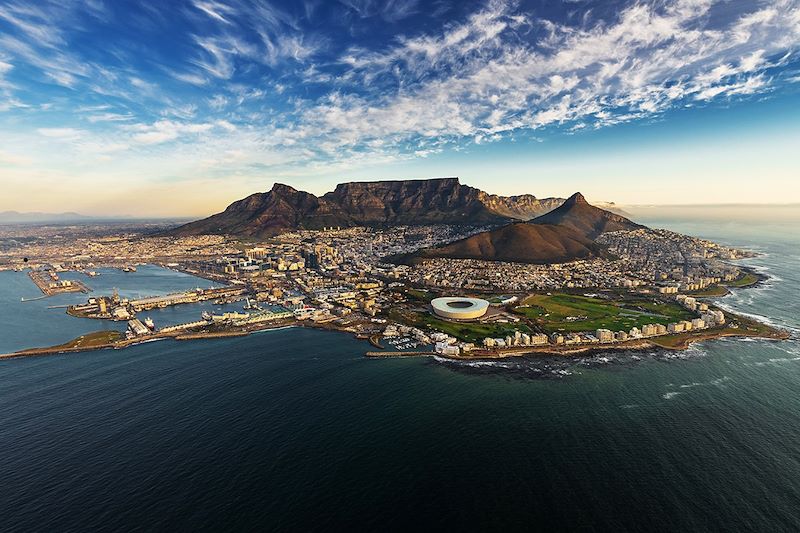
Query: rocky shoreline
{"x": 636, "y": 345}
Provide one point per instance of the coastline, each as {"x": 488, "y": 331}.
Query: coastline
{"x": 628, "y": 346}
{"x": 679, "y": 342}
{"x": 748, "y": 328}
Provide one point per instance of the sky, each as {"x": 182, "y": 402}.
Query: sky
{"x": 178, "y": 108}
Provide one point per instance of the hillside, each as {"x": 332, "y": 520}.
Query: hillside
{"x": 565, "y": 234}
{"x": 520, "y": 242}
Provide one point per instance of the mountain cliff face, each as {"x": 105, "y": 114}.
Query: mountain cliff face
{"x": 432, "y": 201}
{"x": 408, "y": 202}
{"x": 268, "y": 213}
{"x": 590, "y": 221}
{"x": 522, "y": 207}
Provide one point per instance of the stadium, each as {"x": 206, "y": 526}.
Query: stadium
{"x": 457, "y": 308}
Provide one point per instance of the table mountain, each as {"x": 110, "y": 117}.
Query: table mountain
{"x": 378, "y": 203}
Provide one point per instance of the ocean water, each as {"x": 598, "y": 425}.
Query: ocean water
{"x": 295, "y": 430}
{"x": 44, "y": 322}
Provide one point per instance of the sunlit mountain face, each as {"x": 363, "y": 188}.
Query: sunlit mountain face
{"x": 204, "y": 101}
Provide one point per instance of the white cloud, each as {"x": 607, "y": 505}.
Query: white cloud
{"x": 110, "y": 117}
{"x": 490, "y": 74}
{"x": 167, "y": 130}
{"x": 478, "y": 78}
{"x": 61, "y": 133}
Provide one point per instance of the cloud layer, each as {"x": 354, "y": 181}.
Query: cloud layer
{"x": 225, "y": 88}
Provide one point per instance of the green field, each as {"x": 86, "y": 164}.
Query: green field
{"x": 552, "y": 312}
{"x": 713, "y": 290}
{"x": 745, "y": 280}
{"x": 465, "y": 331}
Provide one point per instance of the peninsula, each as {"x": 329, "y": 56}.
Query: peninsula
{"x": 557, "y": 277}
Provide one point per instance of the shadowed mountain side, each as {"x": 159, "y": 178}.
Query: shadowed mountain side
{"x": 587, "y": 220}
{"x": 379, "y": 203}
{"x": 265, "y": 214}
{"x": 521, "y": 243}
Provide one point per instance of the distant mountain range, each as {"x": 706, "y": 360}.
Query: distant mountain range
{"x": 377, "y": 203}
{"x": 15, "y": 217}
{"x": 564, "y": 234}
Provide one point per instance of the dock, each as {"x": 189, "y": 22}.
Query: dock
{"x": 50, "y": 284}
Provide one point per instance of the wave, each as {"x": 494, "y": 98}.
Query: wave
{"x": 670, "y": 395}
{"x": 776, "y": 361}
{"x": 775, "y": 323}
{"x": 474, "y": 364}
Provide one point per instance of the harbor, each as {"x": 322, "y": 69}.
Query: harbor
{"x": 49, "y": 282}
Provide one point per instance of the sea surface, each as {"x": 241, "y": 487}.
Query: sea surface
{"x": 39, "y": 322}
{"x": 294, "y": 429}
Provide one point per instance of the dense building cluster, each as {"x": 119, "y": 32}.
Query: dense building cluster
{"x": 348, "y": 276}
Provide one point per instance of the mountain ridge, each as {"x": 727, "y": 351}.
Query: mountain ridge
{"x": 367, "y": 203}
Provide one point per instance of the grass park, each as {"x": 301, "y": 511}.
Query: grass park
{"x": 573, "y": 313}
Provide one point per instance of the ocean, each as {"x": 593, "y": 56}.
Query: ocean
{"x": 294, "y": 429}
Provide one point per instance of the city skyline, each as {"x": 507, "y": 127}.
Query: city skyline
{"x": 177, "y": 111}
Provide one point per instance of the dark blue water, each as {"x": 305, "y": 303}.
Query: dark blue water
{"x": 295, "y": 430}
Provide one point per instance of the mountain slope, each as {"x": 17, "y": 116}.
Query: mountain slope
{"x": 264, "y": 214}
{"x": 587, "y": 220}
{"x": 407, "y": 202}
{"x": 565, "y": 234}
{"x": 520, "y": 242}
{"x": 522, "y": 207}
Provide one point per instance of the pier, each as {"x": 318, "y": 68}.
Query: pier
{"x": 398, "y": 354}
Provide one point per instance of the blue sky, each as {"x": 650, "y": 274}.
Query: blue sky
{"x": 178, "y": 108}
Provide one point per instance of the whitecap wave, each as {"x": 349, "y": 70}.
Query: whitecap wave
{"x": 718, "y": 382}
{"x": 761, "y": 318}
{"x": 473, "y": 364}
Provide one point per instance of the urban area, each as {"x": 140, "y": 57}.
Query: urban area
{"x": 336, "y": 278}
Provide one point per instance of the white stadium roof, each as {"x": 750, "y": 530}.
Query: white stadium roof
{"x": 459, "y": 308}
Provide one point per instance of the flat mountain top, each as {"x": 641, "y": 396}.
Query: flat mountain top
{"x": 377, "y": 203}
